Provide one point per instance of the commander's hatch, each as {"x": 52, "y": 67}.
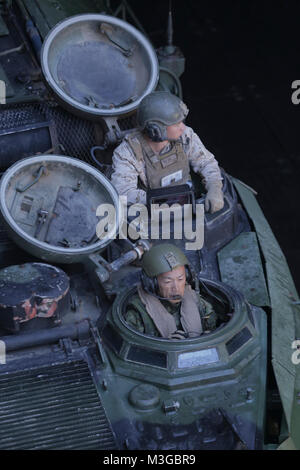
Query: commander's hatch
{"x": 98, "y": 66}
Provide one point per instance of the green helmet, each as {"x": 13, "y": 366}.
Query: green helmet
{"x": 159, "y": 110}
{"x": 163, "y": 258}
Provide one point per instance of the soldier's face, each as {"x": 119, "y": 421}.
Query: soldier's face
{"x": 171, "y": 284}
{"x": 175, "y": 131}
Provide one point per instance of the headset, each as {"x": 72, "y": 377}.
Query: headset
{"x": 150, "y": 284}
{"x": 155, "y": 131}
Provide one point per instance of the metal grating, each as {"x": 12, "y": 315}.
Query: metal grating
{"x": 54, "y": 407}
{"x": 20, "y": 115}
{"x": 76, "y": 135}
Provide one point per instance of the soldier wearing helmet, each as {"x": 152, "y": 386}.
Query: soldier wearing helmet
{"x": 160, "y": 153}
{"x": 166, "y": 305}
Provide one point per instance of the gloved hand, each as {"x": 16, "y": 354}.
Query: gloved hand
{"x": 214, "y": 200}
{"x": 178, "y": 334}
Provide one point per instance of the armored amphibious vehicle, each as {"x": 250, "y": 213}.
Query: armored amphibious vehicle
{"x": 73, "y": 374}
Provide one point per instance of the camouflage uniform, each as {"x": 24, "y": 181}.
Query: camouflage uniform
{"x": 137, "y": 317}
{"x": 128, "y": 172}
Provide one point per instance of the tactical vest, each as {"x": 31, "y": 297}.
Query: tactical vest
{"x": 170, "y": 169}
{"x": 164, "y": 321}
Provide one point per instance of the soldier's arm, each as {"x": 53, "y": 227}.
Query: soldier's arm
{"x": 125, "y": 175}
{"x": 204, "y": 163}
{"x": 134, "y": 319}
{"x": 201, "y": 159}
{"x": 208, "y": 315}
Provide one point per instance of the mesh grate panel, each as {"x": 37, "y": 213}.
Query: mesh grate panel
{"x": 18, "y": 116}
{"x": 77, "y": 135}
{"x": 54, "y": 407}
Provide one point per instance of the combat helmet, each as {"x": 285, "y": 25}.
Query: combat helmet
{"x": 160, "y": 259}
{"x": 159, "y": 110}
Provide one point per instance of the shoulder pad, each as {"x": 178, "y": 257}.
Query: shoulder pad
{"x": 134, "y": 140}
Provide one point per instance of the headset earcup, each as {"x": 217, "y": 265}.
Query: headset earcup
{"x": 154, "y": 132}
{"x": 155, "y": 285}
{"x": 148, "y": 283}
{"x": 188, "y": 274}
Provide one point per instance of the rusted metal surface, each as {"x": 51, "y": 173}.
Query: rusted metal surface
{"x": 32, "y": 290}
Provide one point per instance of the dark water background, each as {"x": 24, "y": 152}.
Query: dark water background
{"x": 241, "y": 59}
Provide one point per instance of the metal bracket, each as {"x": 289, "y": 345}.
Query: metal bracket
{"x": 171, "y": 406}
{"x": 42, "y": 216}
{"x": 66, "y": 345}
{"x": 37, "y": 176}
{"x": 104, "y": 28}
{"x": 96, "y": 337}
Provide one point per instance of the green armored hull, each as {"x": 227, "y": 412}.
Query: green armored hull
{"x": 73, "y": 374}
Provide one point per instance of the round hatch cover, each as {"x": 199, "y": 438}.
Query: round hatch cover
{"x": 99, "y": 65}
{"x": 49, "y": 205}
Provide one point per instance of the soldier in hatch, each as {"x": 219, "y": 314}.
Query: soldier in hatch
{"x": 161, "y": 152}
{"x": 165, "y": 304}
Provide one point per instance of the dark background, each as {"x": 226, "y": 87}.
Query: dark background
{"x": 241, "y": 59}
